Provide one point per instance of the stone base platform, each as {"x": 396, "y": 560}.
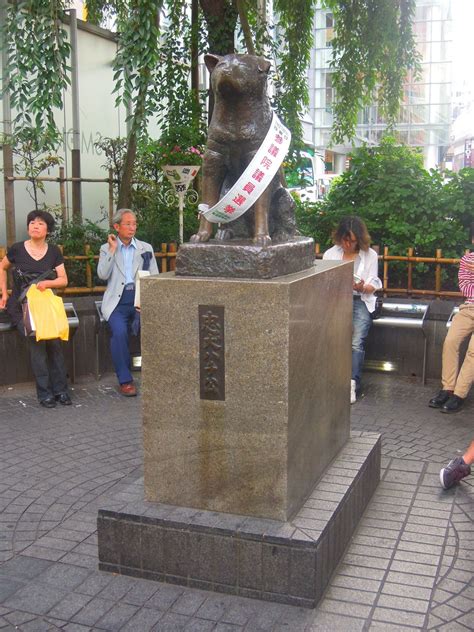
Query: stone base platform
{"x": 241, "y": 259}
{"x": 288, "y": 562}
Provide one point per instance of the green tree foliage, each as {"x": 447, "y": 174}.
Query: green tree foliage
{"x": 152, "y": 69}
{"x": 37, "y": 68}
{"x": 184, "y": 114}
{"x": 221, "y": 19}
{"x": 138, "y": 57}
{"x": 154, "y": 201}
{"x": 31, "y": 161}
{"x": 152, "y": 196}
{"x": 295, "y": 18}
{"x": 372, "y": 51}
{"x": 136, "y": 78}
{"x": 72, "y": 236}
{"x": 458, "y": 196}
{"x": 402, "y": 204}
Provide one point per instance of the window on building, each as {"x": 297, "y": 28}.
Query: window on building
{"x": 329, "y": 90}
{"x": 329, "y": 27}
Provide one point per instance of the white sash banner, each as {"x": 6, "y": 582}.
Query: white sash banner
{"x": 255, "y": 179}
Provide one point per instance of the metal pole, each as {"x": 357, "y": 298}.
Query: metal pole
{"x": 10, "y": 220}
{"x": 62, "y": 195}
{"x": 181, "y": 219}
{"x": 76, "y": 135}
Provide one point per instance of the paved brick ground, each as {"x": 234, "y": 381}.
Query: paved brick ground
{"x": 410, "y": 564}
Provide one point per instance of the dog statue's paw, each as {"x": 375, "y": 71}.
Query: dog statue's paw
{"x": 262, "y": 240}
{"x": 224, "y": 234}
{"x": 200, "y": 237}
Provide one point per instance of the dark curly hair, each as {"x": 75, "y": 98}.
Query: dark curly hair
{"x": 45, "y": 216}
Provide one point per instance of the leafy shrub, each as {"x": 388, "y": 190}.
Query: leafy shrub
{"x": 157, "y": 215}
{"x": 73, "y": 236}
{"x": 152, "y": 198}
{"x": 403, "y": 206}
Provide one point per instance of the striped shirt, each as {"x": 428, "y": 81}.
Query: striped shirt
{"x": 466, "y": 278}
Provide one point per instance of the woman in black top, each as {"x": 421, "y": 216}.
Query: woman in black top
{"x": 30, "y": 259}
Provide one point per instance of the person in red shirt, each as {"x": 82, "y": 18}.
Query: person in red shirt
{"x": 457, "y": 383}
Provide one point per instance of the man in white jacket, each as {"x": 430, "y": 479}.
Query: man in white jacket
{"x": 119, "y": 262}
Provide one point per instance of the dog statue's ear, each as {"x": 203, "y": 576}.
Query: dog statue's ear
{"x": 264, "y": 65}
{"x": 211, "y": 61}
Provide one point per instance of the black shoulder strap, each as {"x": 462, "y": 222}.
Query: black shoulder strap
{"x": 41, "y": 277}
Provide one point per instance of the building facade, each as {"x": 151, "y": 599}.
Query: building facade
{"x": 425, "y": 113}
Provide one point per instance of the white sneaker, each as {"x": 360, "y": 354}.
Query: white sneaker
{"x": 353, "y": 392}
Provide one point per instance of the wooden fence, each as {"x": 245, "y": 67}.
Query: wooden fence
{"x": 61, "y": 181}
{"x": 166, "y": 258}
{"x": 436, "y": 290}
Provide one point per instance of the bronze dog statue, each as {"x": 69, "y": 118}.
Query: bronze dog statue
{"x": 241, "y": 118}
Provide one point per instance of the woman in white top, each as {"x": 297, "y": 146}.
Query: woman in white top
{"x": 352, "y": 242}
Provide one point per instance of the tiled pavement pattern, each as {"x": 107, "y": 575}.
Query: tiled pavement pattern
{"x": 409, "y": 566}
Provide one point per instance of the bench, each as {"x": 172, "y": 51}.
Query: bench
{"x": 100, "y": 324}
{"x": 451, "y": 316}
{"x": 72, "y": 319}
{"x": 406, "y": 316}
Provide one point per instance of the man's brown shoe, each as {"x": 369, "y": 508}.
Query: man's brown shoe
{"x": 128, "y": 389}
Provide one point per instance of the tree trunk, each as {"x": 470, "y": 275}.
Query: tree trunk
{"x": 221, "y": 19}
{"x": 125, "y": 187}
{"x": 195, "y": 49}
{"x": 125, "y": 191}
{"x": 245, "y": 27}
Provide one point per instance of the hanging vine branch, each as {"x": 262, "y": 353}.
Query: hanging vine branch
{"x": 38, "y": 54}
{"x": 295, "y": 19}
{"x": 373, "y": 50}
{"x": 137, "y": 59}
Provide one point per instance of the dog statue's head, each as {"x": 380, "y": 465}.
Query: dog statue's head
{"x": 234, "y": 76}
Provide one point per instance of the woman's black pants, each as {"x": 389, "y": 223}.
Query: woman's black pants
{"x": 47, "y": 363}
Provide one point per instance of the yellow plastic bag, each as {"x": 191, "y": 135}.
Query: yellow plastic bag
{"x": 48, "y": 314}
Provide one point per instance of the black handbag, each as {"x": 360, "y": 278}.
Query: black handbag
{"x": 378, "y": 308}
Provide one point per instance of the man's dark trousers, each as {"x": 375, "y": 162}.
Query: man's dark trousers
{"x": 119, "y": 323}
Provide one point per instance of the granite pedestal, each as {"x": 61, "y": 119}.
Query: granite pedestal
{"x": 283, "y": 413}
{"x": 243, "y": 259}
{"x": 288, "y": 562}
{"x": 252, "y": 483}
